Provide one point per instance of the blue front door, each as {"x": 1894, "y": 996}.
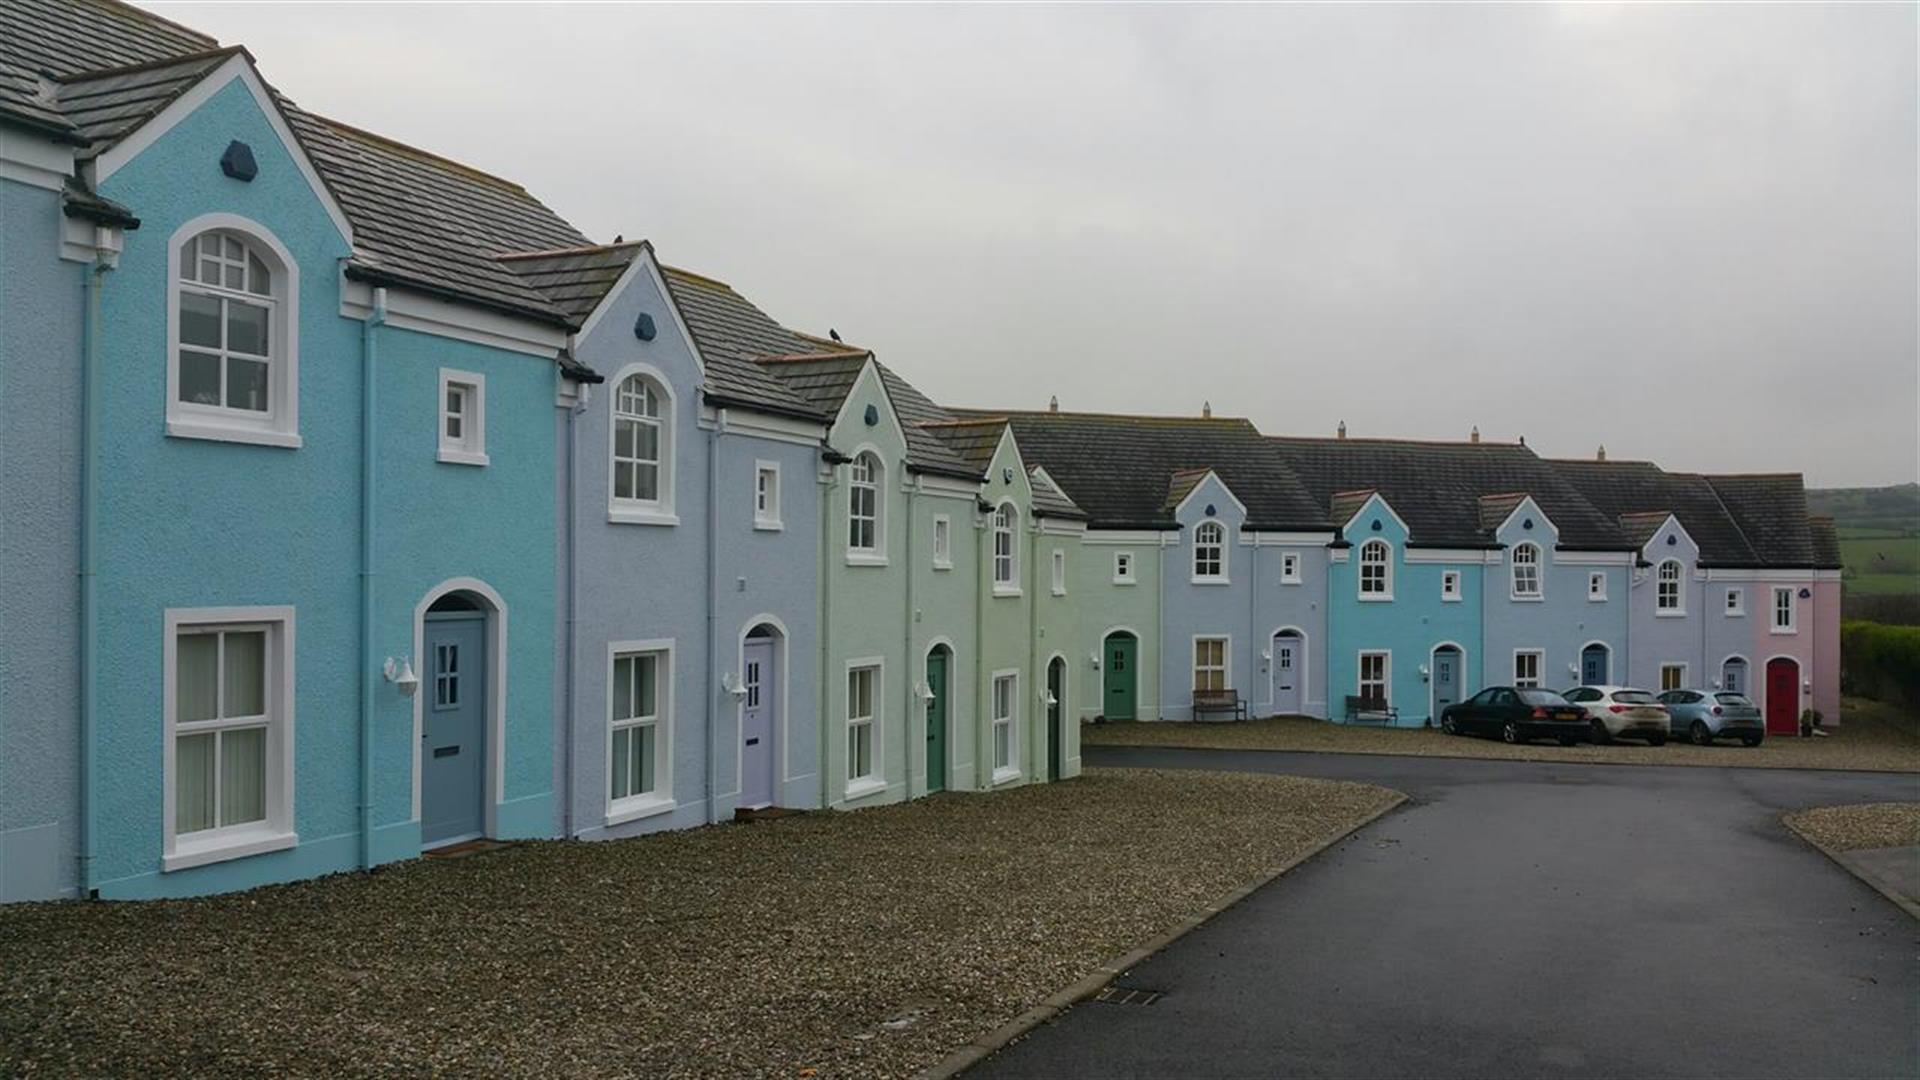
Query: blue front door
{"x": 453, "y": 731}
{"x": 1593, "y": 666}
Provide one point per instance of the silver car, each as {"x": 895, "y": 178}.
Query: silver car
{"x": 1614, "y": 711}
{"x": 1705, "y": 715}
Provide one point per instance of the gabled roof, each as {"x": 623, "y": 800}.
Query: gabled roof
{"x": 1048, "y": 500}
{"x": 79, "y": 35}
{"x": 28, "y": 99}
{"x": 1119, "y": 469}
{"x": 972, "y": 441}
{"x": 1180, "y": 485}
{"x": 575, "y": 279}
{"x": 1436, "y": 488}
{"x": 1640, "y": 527}
{"x": 731, "y": 332}
{"x": 825, "y": 373}
{"x": 1345, "y": 504}
{"x": 1826, "y": 543}
{"x": 105, "y": 106}
{"x": 1771, "y": 512}
{"x": 1496, "y": 509}
{"x": 1738, "y": 521}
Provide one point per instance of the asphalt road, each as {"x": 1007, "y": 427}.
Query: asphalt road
{"x": 1527, "y": 919}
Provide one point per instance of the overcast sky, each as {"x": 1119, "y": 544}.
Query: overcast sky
{"x": 1687, "y": 232}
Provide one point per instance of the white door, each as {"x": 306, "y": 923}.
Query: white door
{"x": 757, "y": 719}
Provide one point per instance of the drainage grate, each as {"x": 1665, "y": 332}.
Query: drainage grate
{"x": 1127, "y": 995}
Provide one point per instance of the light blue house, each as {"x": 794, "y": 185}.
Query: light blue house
{"x": 1556, "y": 604}
{"x": 687, "y": 517}
{"x": 306, "y": 640}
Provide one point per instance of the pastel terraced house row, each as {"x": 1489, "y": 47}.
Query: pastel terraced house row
{"x": 353, "y": 503}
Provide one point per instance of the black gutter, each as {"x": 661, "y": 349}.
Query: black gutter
{"x": 59, "y": 132}
{"x": 372, "y": 276}
{"x": 791, "y": 413}
{"x": 104, "y": 213}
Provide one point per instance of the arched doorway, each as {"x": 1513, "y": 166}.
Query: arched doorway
{"x": 1596, "y": 665}
{"x": 763, "y": 682}
{"x": 1783, "y": 696}
{"x": 1733, "y": 675}
{"x": 1288, "y": 669}
{"x": 1056, "y": 709}
{"x": 1120, "y": 679}
{"x": 939, "y": 672}
{"x": 1446, "y": 671}
{"x": 457, "y": 712}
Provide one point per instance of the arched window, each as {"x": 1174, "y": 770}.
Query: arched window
{"x": 863, "y": 504}
{"x": 1376, "y": 570}
{"x": 1005, "y": 563}
{"x": 642, "y": 445}
{"x": 1210, "y": 551}
{"x": 231, "y": 373}
{"x": 1526, "y": 571}
{"x": 1667, "y": 587}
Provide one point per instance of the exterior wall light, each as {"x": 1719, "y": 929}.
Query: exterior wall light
{"x": 400, "y": 674}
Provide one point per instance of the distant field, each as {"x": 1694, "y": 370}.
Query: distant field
{"x": 1879, "y": 530}
{"x": 1881, "y": 565}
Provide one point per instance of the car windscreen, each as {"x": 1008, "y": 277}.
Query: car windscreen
{"x": 1734, "y": 699}
{"x": 1634, "y": 697}
{"x": 1540, "y": 697}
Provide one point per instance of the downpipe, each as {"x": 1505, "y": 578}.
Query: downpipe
{"x": 368, "y": 401}
{"x": 91, "y": 285}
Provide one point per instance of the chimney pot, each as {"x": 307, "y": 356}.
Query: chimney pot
{"x": 1474, "y": 435}
{"x": 1602, "y": 455}
{"x": 1053, "y": 403}
{"x": 1341, "y": 431}
{"x": 1206, "y": 410}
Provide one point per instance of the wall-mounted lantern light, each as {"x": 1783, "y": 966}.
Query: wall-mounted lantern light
{"x": 400, "y": 674}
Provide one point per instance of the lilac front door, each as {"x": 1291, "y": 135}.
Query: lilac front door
{"x": 757, "y": 723}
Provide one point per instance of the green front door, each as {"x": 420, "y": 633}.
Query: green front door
{"x": 1056, "y": 695}
{"x": 937, "y": 720}
{"x": 1120, "y": 679}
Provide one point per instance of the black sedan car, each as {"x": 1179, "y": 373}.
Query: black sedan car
{"x": 1517, "y": 714}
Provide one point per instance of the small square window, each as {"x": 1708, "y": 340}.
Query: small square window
{"x": 942, "y": 542}
{"x": 1123, "y": 568}
{"x": 1597, "y": 585}
{"x": 463, "y": 417}
{"x": 1289, "y": 568}
{"x": 1736, "y": 602}
{"x": 1449, "y": 584}
{"x": 1526, "y": 667}
{"x": 1673, "y": 676}
{"x": 766, "y": 495}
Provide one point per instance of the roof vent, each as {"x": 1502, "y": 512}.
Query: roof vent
{"x": 1341, "y": 432}
{"x": 643, "y": 327}
{"x": 1474, "y": 435}
{"x": 1053, "y": 403}
{"x": 238, "y": 162}
{"x": 1602, "y": 455}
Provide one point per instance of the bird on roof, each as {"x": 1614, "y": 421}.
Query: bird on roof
{"x": 832, "y": 333}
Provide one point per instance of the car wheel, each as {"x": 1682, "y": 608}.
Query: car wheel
{"x": 1658, "y": 738}
{"x": 1510, "y": 732}
{"x": 1700, "y": 734}
{"x": 1600, "y": 736}
{"x": 1750, "y": 740}
{"x": 1446, "y": 725}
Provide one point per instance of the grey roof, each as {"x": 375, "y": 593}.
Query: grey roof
{"x": 1629, "y": 489}
{"x": 826, "y": 376}
{"x": 1640, "y": 527}
{"x": 1119, "y": 469}
{"x": 419, "y": 220}
{"x": 731, "y": 333}
{"x": 1345, "y": 504}
{"x": 1048, "y": 500}
{"x": 972, "y": 441}
{"x": 575, "y": 279}
{"x": 27, "y": 98}
{"x": 1437, "y": 488}
{"x": 1770, "y": 510}
{"x": 1826, "y": 542}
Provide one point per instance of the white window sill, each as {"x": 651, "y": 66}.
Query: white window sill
{"x": 1596, "y": 599}
{"x": 217, "y": 432}
{"x": 1210, "y": 581}
{"x": 942, "y": 565}
{"x": 768, "y": 526}
{"x": 860, "y": 789}
{"x": 1289, "y": 581}
{"x": 1005, "y": 776}
{"x": 856, "y": 558}
{"x": 1788, "y": 632}
{"x": 1450, "y": 599}
{"x": 1059, "y": 592}
{"x": 634, "y": 809}
{"x": 1006, "y": 592}
{"x": 1377, "y": 598}
{"x": 235, "y": 845}
{"x": 1526, "y": 599}
{"x": 1736, "y": 614}
{"x": 634, "y": 515}
{"x": 1669, "y": 614}
{"x": 461, "y": 457}
{"x": 1125, "y": 581}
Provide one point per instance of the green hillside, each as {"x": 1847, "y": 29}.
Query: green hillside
{"x": 1879, "y": 548}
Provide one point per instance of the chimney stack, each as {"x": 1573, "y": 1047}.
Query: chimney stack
{"x": 1602, "y": 455}
{"x": 1341, "y": 431}
{"x": 1474, "y": 435}
{"x": 1206, "y": 410}
{"x": 1053, "y": 403}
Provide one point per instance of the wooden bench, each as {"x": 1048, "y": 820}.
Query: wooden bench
{"x": 1206, "y": 701}
{"x": 1366, "y": 709}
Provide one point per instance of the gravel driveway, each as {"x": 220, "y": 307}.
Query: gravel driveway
{"x": 1872, "y": 736}
{"x": 1868, "y": 825}
{"x": 856, "y": 944}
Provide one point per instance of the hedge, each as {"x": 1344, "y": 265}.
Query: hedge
{"x": 1881, "y": 661}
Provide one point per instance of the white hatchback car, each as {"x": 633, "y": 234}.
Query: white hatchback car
{"x": 1613, "y": 711}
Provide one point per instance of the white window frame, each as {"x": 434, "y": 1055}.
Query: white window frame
{"x": 1289, "y": 568}
{"x": 276, "y": 831}
{"x": 1225, "y": 667}
{"x": 660, "y": 509}
{"x": 1385, "y": 682}
{"x": 471, "y": 447}
{"x": 660, "y": 799}
{"x": 1385, "y": 592}
{"x": 1532, "y": 563}
{"x": 873, "y": 553}
{"x": 942, "y": 542}
{"x": 279, "y": 425}
{"x": 1006, "y": 563}
{"x": 1450, "y": 589}
{"x": 875, "y": 779}
{"x": 1009, "y": 722}
{"x": 1736, "y": 602}
{"x": 766, "y": 496}
{"x": 1597, "y": 586}
{"x": 1536, "y": 680}
{"x": 1680, "y": 683}
{"x": 1669, "y": 605}
{"x": 1791, "y": 595}
{"x": 1216, "y": 549}
{"x": 1059, "y": 571}
{"x": 1123, "y": 573}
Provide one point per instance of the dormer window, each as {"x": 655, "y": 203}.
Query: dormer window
{"x": 1667, "y": 589}
{"x": 863, "y": 505}
{"x": 231, "y": 373}
{"x": 1526, "y": 572}
{"x": 642, "y": 450}
{"x": 1376, "y": 570}
{"x": 1210, "y": 552}
{"x": 1006, "y": 565}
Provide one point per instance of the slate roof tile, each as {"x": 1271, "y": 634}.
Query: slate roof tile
{"x": 1705, "y": 507}
{"x": 1048, "y": 500}
{"x": 1770, "y": 510}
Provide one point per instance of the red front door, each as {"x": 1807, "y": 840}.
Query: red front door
{"x": 1783, "y": 696}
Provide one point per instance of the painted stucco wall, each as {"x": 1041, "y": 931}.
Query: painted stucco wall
{"x": 1726, "y": 635}
{"x": 1563, "y": 620}
{"x": 1408, "y": 627}
{"x": 1211, "y": 608}
{"x": 215, "y": 524}
{"x": 640, "y": 582}
{"x": 1300, "y": 606}
{"x": 1799, "y": 645}
{"x": 1056, "y": 625}
{"x": 941, "y": 611}
{"x": 41, "y": 323}
{"x": 1007, "y": 627}
{"x": 1656, "y": 637}
{"x": 1102, "y": 605}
